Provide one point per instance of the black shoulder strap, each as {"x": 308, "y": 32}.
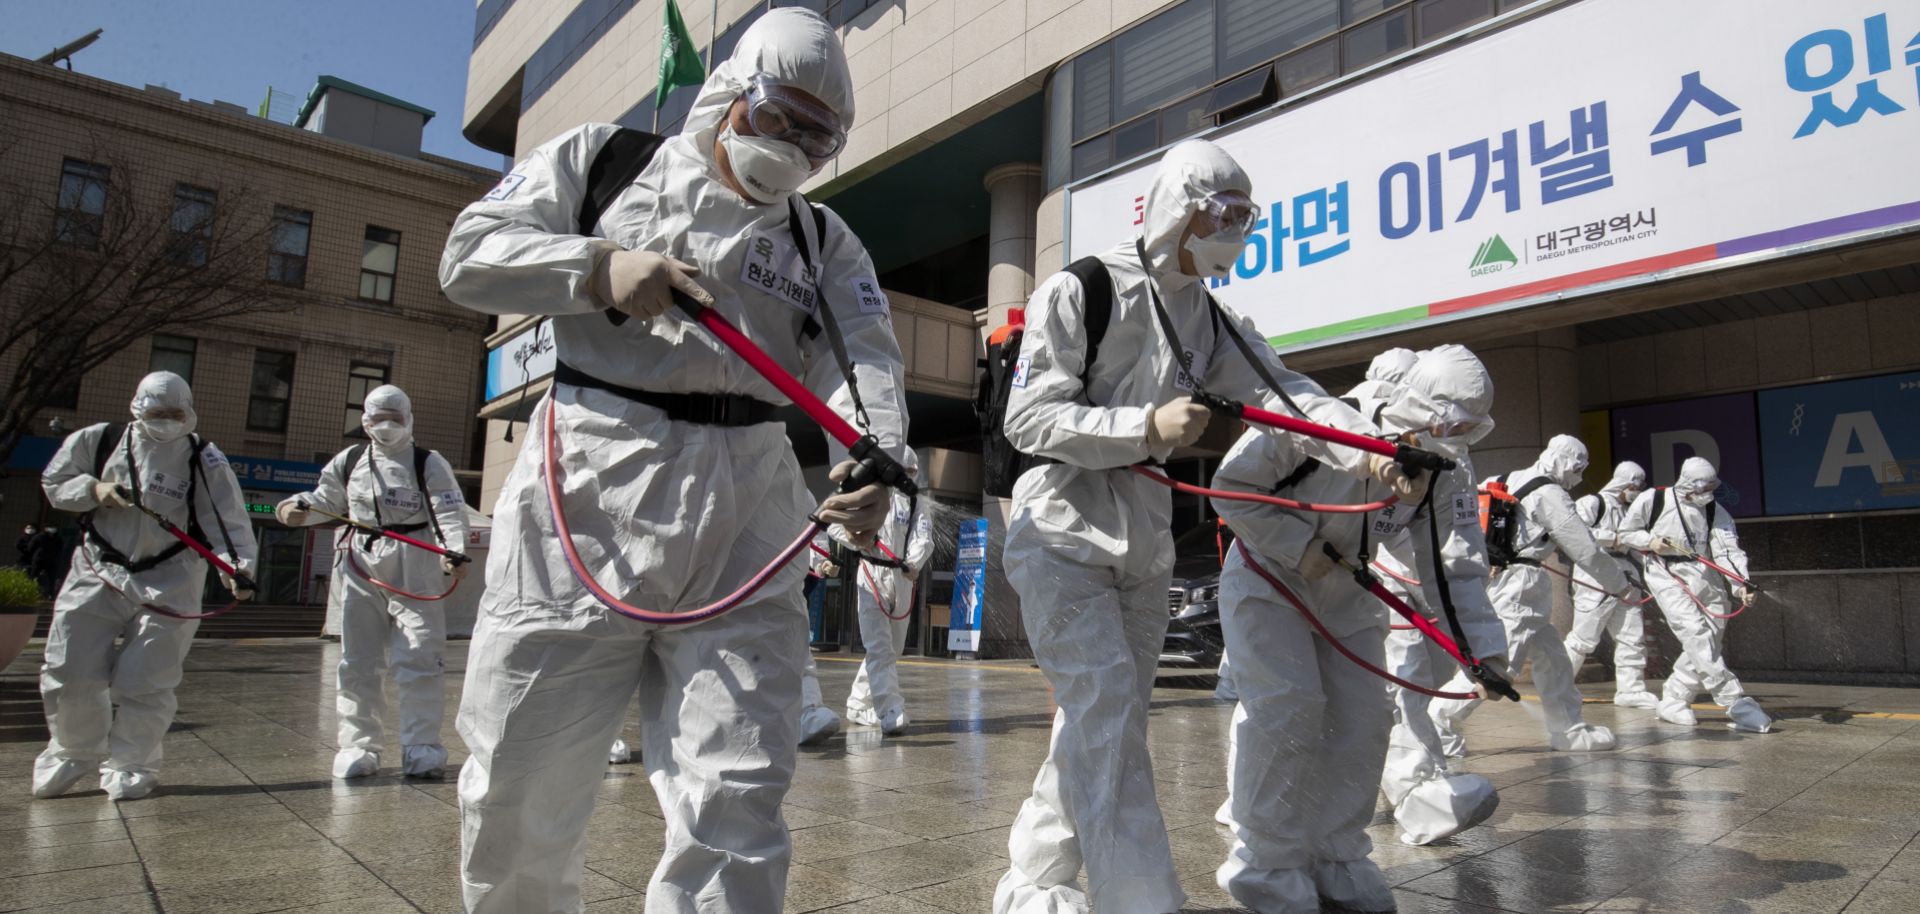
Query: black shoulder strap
{"x": 420, "y": 456}
{"x": 1222, "y": 325}
{"x": 1659, "y": 505}
{"x": 1532, "y": 485}
{"x": 621, "y": 160}
{"x": 615, "y": 166}
{"x": 812, "y": 247}
{"x": 103, "y": 449}
{"x": 1096, "y": 285}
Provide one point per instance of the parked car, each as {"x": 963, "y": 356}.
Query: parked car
{"x": 1194, "y": 642}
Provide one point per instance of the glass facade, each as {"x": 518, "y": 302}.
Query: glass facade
{"x": 1202, "y": 63}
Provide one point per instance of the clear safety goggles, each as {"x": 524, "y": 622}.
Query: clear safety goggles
{"x": 1229, "y": 211}
{"x": 386, "y": 416}
{"x": 1698, "y": 487}
{"x": 782, "y": 113}
{"x": 1451, "y": 420}
{"x": 163, "y": 413}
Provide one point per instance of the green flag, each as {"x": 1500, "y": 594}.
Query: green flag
{"x": 679, "y": 60}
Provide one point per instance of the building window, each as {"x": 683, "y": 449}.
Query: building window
{"x": 175, "y": 354}
{"x": 1202, "y": 63}
{"x": 192, "y": 225}
{"x": 379, "y": 260}
{"x": 272, "y": 391}
{"x": 361, "y": 380}
{"x": 80, "y": 214}
{"x": 66, "y": 396}
{"x": 287, "y": 246}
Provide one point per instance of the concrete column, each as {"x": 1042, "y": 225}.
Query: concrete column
{"x": 1015, "y": 191}
{"x": 1536, "y": 395}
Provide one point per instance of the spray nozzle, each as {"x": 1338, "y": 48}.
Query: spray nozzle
{"x": 876, "y": 465}
{"x": 1232, "y": 409}
{"x": 1414, "y": 458}
{"x": 1494, "y": 682}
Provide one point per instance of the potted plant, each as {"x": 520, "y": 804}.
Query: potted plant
{"x": 19, "y": 610}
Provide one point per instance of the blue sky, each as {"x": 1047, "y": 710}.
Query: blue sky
{"x": 232, "y": 50}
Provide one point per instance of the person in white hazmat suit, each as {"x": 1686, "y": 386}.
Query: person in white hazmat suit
{"x": 1595, "y": 612}
{"x": 1088, "y": 546}
{"x": 1669, "y": 528}
{"x": 670, "y": 513}
{"x": 1384, "y": 375}
{"x": 1523, "y": 591}
{"x": 1446, "y": 399}
{"x": 876, "y": 699}
{"x": 108, "y": 708}
{"x": 818, "y": 723}
{"x": 375, "y": 484}
{"x": 1310, "y": 731}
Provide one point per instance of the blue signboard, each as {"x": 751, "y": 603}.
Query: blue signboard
{"x": 969, "y": 587}
{"x": 279, "y": 475}
{"x": 1843, "y": 445}
{"x": 1661, "y": 436}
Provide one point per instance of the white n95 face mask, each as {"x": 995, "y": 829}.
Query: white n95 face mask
{"x": 1215, "y": 254}
{"x": 163, "y": 430}
{"x": 388, "y": 433}
{"x": 767, "y": 170}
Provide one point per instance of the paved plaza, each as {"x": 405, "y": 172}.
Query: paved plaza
{"x": 1819, "y": 816}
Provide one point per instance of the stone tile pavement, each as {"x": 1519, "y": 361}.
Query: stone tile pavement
{"x": 1820, "y": 816}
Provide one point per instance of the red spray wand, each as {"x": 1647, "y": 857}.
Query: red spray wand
{"x": 1494, "y": 682}
{"x": 1406, "y": 455}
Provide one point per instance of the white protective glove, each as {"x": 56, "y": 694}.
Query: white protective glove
{"x": 1666, "y": 545}
{"x": 457, "y": 569}
{"x": 861, "y": 511}
{"x": 290, "y": 513}
{"x": 641, "y": 283}
{"x": 829, "y": 570}
{"x": 1409, "y": 489}
{"x": 110, "y": 495}
{"x": 233, "y": 587}
{"x": 1179, "y": 422}
{"x": 1314, "y": 563}
{"x": 1744, "y": 594}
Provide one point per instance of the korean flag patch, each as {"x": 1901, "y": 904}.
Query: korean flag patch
{"x": 1020, "y": 369}
{"x": 506, "y": 187}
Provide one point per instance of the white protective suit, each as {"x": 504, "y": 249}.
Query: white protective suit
{"x": 669, "y": 514}
{"x": 108, "y": 709}
{"x": 374, "y": 484}
{"x": 1384, "y": 375}
{"x": 875, "y": 699}
{"x": 1310, "y": 731}
{"x": 818, "y": 723}
{"x": 1523, "y": 592}
{"x": 1090, "y": 553}
{"x": 1595, "y": 612}
{"x": 1691, "y": 594}
{"x": 1429, "y": 801}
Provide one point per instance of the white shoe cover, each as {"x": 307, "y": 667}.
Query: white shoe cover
{"x": 817, "y": 724}
{"x": 619, "y": 754}
{"x": 894, "y": 721}
{"x": 1675, "y": 712}
{"x": 1288, "y": 891}
{"x": 1747, "y": 717}
{"x": 1015, "y": 895}
{"x": 863, "y": 717}
{"x": 1643, "y": 700}
{"x": 127, "y": 785}
{"x": 1224, "y": 815}
{"x": 50, "y": 781}
{"x": 1353, "y": 885}
{"x": 426, "y": 762}
{"x": 1583, "y": 738}
{"x": 1444, "y": 807}
{"x": 355, "y": 763}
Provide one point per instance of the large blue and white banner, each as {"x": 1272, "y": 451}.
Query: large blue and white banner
{"x": 1605, "y": 143}
{"x": 1842, "y": 445}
